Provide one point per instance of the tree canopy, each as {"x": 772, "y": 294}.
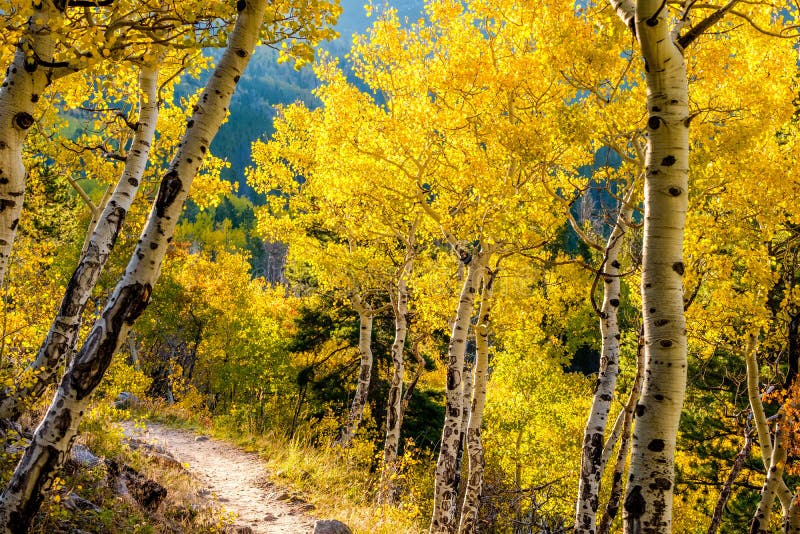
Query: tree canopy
{"x": 516, "y": 266}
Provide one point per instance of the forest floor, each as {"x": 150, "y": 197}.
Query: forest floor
{"x": 237, "y": 480}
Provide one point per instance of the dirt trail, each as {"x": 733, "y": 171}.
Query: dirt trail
{"x": 237, "y": 478}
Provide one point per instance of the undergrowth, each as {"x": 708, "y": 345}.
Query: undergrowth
{"x": 184, "y": 509}
{"x": 339, "y": 483}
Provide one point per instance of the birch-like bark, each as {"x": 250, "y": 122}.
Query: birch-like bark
{"x": 613, "y": 438}
{"x": 63, "y": 334}
{"x": 612, "y": 506}
{"x": 760, "y": 523}
{"x": 54, "y": 436}
{"x": 97, "y": 212}
{"x": 626, "y": 10}
{"x": 365, "y": 316}
{"x": 25, "y": 81}
{"x": 466, "y": 397}
{"x": 754, "y": 396}
{"x": 394, "y": 409}
{"x": 648, "y": 501}
{"x": 413, "y": 383}
{"x": 791, "y": 520}
{"x": 474, "y": 445}
{"x": 445, "y": 491}
{"x": 760, "y": 417}
{"x": 592, "y": 462}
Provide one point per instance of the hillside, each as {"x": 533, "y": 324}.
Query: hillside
{"x": 267, "y": 84}
{"x": 527, "y": 267}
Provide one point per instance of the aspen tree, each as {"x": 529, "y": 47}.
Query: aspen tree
{"x": 394, "y": 407}
{"x": 593, "y": 462}
{"x": 446, "y": 492}
{"x": 664, "y": 36}
{"x": 25, "y": 82}
{"x": 773, "y": 445}
{"x": 474, "y": 445}
{"x": 54, "y": 436}
{"x": 366, "y": 314}
{"x": 54, "y": 44}
{"x": 63, "y": 334}
{"x": 648, "y": 501}
{"x": 615, "y": 494}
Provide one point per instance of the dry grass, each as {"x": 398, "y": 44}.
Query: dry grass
{"x": 339, "y": 483}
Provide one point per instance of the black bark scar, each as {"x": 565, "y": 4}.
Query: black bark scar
{"x": 168, "y": 192}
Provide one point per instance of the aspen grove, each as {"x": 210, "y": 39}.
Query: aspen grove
{"x": 447, "y": 266}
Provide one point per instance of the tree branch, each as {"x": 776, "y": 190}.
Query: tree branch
{"x": 687, "y": 38}
{"x": 626, "y": 9}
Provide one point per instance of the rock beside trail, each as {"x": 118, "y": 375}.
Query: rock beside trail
{"x": 331, "y": 526}
{"x": 126, "y": 400}
{"x": 81, "y": 455}
{"x": 238, "y": 529}
{"x": 127, "y": 482}
{"x": 74, "y": 502}
{"x": 132, "y": 485}
{"x": 156, "y": 453}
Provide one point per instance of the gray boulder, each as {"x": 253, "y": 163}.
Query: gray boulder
{"x": 74, "y": 502}
{"x": 81, "y": 455}
{"x": 126, "y": 400}
{"x": 331, "y": 526}
{"x": 131, "y": 485}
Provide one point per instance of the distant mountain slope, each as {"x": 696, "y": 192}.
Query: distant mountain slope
{"x": 266, "y": 84}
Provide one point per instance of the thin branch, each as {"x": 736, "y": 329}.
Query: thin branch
{"x": 784, "y": 33}
{"x": 85, "y": 197}
{"x": 725, "y": 494}
{"x": 686, "y": 39}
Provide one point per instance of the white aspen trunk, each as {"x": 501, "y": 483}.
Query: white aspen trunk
{"x": 466, "y": 397}
{"x": 25, "y": 81}
{"x": 365, "y": 316}
{"x": 791, "y": 520}
{"x": 760, "y": 417}
{"x": 648, "y": 501}
{"x": 592, "y": 460}
{"x": 53, "y": 437}
{"x": 474, "y": 445}
{"x": 394, "y": 409}
{"x": 413, "y": 383}
{"x": 760, "y": 523}
{"x": 774, "y": 483}
{"x": 626, "y": 9}
{"x": 445, "y": 491}
{"x": 613, "y": 438}
{"x": 97, "y": 211}
{"x": 612, "y": 506}
{"x": 63, "y": 334}
{"x": 754, "y": 396}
